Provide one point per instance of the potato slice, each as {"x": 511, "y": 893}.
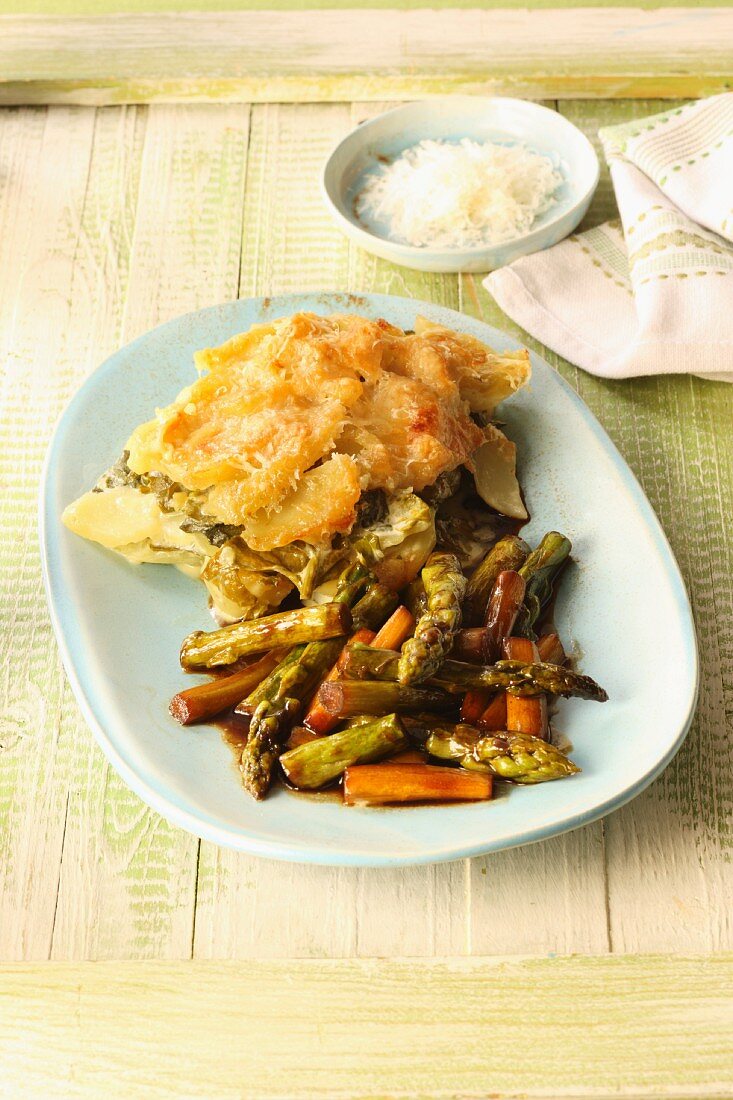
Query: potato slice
{"x": 324, "y": 502}
{"x": 495, "y": 464}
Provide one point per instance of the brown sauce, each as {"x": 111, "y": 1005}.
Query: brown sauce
{"x": 334, "y": 793}
{"x": 233, "y": 730}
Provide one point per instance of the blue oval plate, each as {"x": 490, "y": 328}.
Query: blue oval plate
{"x": 119, "y": 626}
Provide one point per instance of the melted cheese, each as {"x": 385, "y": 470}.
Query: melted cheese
{"x": 290, "y": 422}
{"x": 274, "y": 403}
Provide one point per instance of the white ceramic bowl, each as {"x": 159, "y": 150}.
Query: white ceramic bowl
{"x": 449, "y": 119}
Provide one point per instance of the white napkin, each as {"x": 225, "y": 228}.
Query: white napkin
{"x": 654, "y": 293}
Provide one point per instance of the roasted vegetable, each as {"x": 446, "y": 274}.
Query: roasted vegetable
{"x": 347, "y": 698}
{"x": 364, "y": 663}
{"x": 540, "y": 571}
{"x": 504, "y": 604}
{"x": 518, "y": 757}
{"x": 273, "y": 717}
{"x": 468, "y": 645}
{"x": 494, "y": 716}
{"x": 550, "y": 649}
{"x": 319, "y": 762}
{"x": 377, "y": 604}
{"x": 317, "y": 719}
{"x": 204, "y": 649}
{"x": 508, "y": 553}
{"x": 396, "y": 630}
{"x": 279, "y": 703}
{"x": 444, "y": 587}
{"x": 524, "y": 713}
{"x": 269, "y": 686}
{"x": 378, "y": 785}
{"x": 207, "y": 700}
{"x": 415, "y": 598}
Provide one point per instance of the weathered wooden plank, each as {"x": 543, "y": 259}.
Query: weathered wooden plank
{"x": 246, "y": 907}
{"x": 363, "y": 54}
{"x": 522, "y": 900}
{"x": 648, "y": 1026}
{"x": 112, "y": 7}
{"x": 45, "y": 161}
{"x": 670, "y": 877}
{"x": 670, "y": 884}
{"x": 128, "y": 878}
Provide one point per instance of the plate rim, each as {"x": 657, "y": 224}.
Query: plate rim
{"x": 284, "y": 851}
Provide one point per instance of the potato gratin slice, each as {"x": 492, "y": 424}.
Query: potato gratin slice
{"x": 289, "y": 424}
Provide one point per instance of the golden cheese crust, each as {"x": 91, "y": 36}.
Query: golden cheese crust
{"x": 276, "y": 404}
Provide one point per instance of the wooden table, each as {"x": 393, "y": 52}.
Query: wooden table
{"x": 594, "y": 964}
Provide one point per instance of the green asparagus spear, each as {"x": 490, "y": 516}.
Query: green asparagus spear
{"x": 273, "y": 717}
{"x": 540, "y": 571}
{"x": 507, "y": 553}
{"x": 376, "y": 605}
{"x": 415, "y": 598}
{"x": 418, "y": 727}
{"x": 447, "y": 740}
{"x": 344, "y": 699}
{"x": 204, "y": 649}
{"x": 352, "y": 581}
{"x": 423, "y": 653}
{"x": 364, "y": 663}
{"x": 276, "y": 703}
{"x": 268, "y": 688}
{"x": 518, "y": 757}
{"x": 318, "y": 762}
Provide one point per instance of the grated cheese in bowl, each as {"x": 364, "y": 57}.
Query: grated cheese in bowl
{"x": 469, "y": 194}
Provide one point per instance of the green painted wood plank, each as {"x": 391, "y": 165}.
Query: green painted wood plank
{"x": 42, "y": 184}
{"x": 672, "y": 431}
{"x": 358, "y": 54}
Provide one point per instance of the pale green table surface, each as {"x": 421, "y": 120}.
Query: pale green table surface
{"x": 113, "y": 219}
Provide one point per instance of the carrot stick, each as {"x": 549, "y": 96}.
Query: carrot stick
{"x": 396, "y": 630}
{"x": 206, "y": 700}
{"x": 506, "y": 599}
{"x": 550, "y": 649}
{"x": 504, "y": 604}
{"x": 409, "y": 756}
{"x": 474, "y": 704}
{"x": 377, "y": 784}
{"x": 525, "y": 714}
{"x": 317, "y": 717}
{"x": 469, "y": 645}
{"x": 299, "y": 735}
{"x": 494, "y": 717}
